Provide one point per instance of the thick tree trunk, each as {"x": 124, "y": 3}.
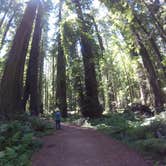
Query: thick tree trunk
{"x": 144, "y": 91}
{"x": 61, "y": 80}
{"x": 100, "y": 41}
{"x": 11, "y": 84}
{"x": 41, "y": 70}
{"x": 154, "y": 46}
{"x": 92, "y": 107}
{"x": 80, "y": 92}
{"x": 32, "y": 88}
{"x": 53, "y": 80}
{"x": 154, "y": 82}
{"x": 46, "y": 94}
{"x": 61, "y": 73}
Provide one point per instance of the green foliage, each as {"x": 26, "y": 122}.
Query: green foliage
{"x": 16, "y": 144}
{"x": 41, "y": 127}
{"x": 149, "y": 139}
{"x": 18, "y": 141}
{"x": 115, "y": 124}
{"x": 152, "y": 145}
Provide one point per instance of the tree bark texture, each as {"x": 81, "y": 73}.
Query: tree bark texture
{"x": 61, "y": 73}
{"x": 32, "y": 88}
{"x": 154, "y": 82}
{"x": 11, "y": 84}
{"x": 92, "y": 107}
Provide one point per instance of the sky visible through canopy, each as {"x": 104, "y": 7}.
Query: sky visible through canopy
{"x": 102, "y": 11}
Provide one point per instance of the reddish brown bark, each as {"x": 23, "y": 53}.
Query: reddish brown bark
{"x": 154, "y": 45}
{"x": 61, "y": 73}
{"x": 11, "y": 84}
{"x": 31, "y": 88}
{"x": 153, "y": 80}
{"x": 92, "y": 107}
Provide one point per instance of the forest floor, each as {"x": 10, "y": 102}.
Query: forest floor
{"x": 76, "y": 146}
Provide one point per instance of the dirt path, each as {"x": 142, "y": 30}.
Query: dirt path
{"x": 74, "y": 146}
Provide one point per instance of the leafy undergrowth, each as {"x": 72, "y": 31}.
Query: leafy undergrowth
{"x": 19, "y": 139}
{"x": 147, "y": 135}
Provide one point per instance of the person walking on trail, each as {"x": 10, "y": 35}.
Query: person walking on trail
{"x": 58, "y": 118}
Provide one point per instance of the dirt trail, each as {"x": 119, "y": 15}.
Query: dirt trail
{"x": 75, "y": 146}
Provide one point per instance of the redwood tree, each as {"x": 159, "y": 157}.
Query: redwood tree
{"x": 61, "y": 72}
{"x": 152, "y": 76}
{"x": 31, "y": 88}
{"x": 11, "y": 84}
{"x": 92, "y": 107}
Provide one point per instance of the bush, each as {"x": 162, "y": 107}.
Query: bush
{"x": 18, "y": 141}
{"x": 125, "y": 127}
{"x": 153, "y": 145}
{"x": 40, "y": 127}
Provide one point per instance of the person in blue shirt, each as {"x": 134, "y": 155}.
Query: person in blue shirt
{"x": 58, "y": 118}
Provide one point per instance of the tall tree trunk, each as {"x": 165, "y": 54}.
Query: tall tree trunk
{"x": 92, "y": 107}
{"x": 154, "y": 82}
{"x": 100, "y": 42}
{"x": 41, "y": 70}
{"x": 61, "y": 73}
{"x": 46, "y": 95}
{"x": 11, "y": 84}
{"x": 53, "y": 80}
{"x": 79, "y": 86}
{"x": 144, "y": 91}
{"x": 32, "y": 89}
{"x": 153, "y": 44}
{"x": 128, "y": 81}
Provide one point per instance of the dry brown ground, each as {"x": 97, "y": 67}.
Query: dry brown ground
{"x": 75, "y": 146}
